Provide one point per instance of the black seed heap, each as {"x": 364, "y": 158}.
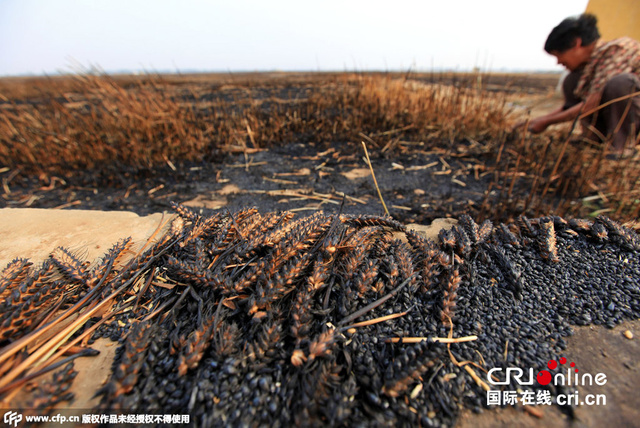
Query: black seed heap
{"x": 265, "y": 325}
{"x": 261, "y": 319}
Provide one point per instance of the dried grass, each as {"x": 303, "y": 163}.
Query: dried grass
{"x": 564, "y": 176}
{"x": 91, "y": 121}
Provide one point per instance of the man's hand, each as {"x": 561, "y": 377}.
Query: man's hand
{"x": 538, "y": 125}
{"x": 535, "y": 126}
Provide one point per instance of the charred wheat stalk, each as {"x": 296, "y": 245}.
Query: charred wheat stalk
{"x": 15, "y": 272}
{"x": 425, "y": 253}
{"x": 104, "y": 271}
{"x": 369, "y": 220}
{"x": 360, "y": 312}
{"x": 94, "y": 300}
{"x": 547, "y": 240}
{"x": 449, "y": 296}
{"x": 410, "y": 365}
{"x": 463, "y": 242}
{"x": 126, "y": 370}
{"x": 194, "y": 346}
{"x": 177, "y": 338}
{"x": 38, "y": 294}
{"x": 69, "y": 265}
{"x": 470, "y": 227}
{"x": 623, "y": 236}
{"x": 54, "y": 391}
{"x": 525, "y": 227}
{"x": 505, "y": 236}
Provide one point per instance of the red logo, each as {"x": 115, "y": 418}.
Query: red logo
{"x": 544, "y": 377}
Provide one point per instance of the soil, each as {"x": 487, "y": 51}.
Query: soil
{"x": 417, "y": 185}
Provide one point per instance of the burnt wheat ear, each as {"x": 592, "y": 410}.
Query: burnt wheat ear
{"x": 187, "y": 214}
{"x": 526, "y": 229}
{"x": 70, "y": 265}
{"x": 450, "y": 294}
{"x": 34, "y": 299}
{"x": 580, "y": 225}
{"x": 464, "y": 244}
{"x": 370, "y": 220}
{"x": 485, "y": 231}
{"x": 56, "y": 390}
{"x": 599, "y": 232}
{"x": 12, "y": 275}
{"x": 623, "y": 236}
{"x": 425, "y": 253}
{"x": 108, "y": 267}
{"x": 126, "y": 369}
{"x": 470, "y": 227}
{"x": 505, "y": 236}
{"x": 547, "y": 240}
{"x": 447, "y": 239}
{"x": 195, "y": 345}
{"x": 410, "y": 366}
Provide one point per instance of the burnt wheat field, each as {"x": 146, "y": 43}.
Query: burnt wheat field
{"x": 440, "y": 145}
{"x": 287, "y": 288}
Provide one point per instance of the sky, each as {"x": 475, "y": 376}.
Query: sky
{"x": 65, "y": 36}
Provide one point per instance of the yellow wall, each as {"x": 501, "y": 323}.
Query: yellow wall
{"x": 616, "y": 18}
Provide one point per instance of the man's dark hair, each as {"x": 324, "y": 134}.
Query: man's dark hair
{"x": 564, "y": 35}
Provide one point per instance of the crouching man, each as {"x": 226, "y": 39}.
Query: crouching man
{"x": 599, "y": 72}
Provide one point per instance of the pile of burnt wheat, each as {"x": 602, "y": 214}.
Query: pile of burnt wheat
{"x": 249, "y": 318}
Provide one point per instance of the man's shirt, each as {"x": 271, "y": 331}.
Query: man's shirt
{"x": 608, "y": 59}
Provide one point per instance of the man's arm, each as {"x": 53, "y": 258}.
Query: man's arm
{"x": 541, "y": 123}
